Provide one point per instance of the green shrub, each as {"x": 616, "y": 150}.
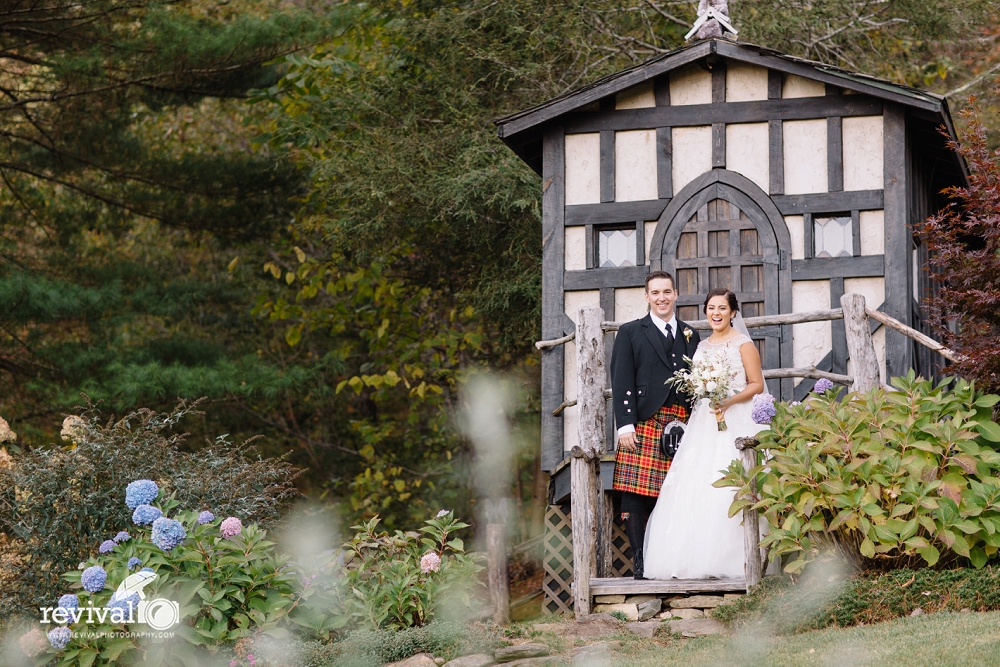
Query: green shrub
{"x": 227, "y": 578}
{"x": 785, "y": 607}
{"x": 59, "y": 503}
{"x": 404, "y": 580}
{"x": 885, "y": 479}
{"x": 371, "y": 648}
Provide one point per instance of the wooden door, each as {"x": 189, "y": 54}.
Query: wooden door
{"x": 721, "y": 245}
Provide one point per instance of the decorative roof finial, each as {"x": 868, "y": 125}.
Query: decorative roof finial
{"x": 713, "y": 19}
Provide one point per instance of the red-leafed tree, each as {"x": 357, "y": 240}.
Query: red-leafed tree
{"x": 963, "y": 241}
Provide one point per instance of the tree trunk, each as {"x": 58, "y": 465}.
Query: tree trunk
{"x": 864, "y": 362}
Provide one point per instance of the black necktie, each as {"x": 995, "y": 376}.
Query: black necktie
{"x": 668, "y": 330}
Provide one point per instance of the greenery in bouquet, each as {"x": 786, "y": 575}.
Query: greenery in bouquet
{"x": 707, "y": 377}
{"x": 884, "y": 479}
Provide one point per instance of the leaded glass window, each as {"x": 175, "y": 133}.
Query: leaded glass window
{"x": 616, "y": 247}
{"x": 834, "y": 236}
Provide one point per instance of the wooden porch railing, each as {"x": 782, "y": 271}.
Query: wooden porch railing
{"x": 591, "y": 509}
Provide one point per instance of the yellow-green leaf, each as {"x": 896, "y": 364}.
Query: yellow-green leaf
{"x": 867, "y": 548}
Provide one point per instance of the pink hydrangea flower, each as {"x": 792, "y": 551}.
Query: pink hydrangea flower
{"x": 231, "y": 527}
{"x": 430, "y": 562}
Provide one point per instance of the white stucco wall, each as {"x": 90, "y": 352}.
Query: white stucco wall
{"x": 796, "y": 230}
{"x": 863, "y": 153}
{"x": 571, "y": 416}
{"x": 636, "y": 97}
{"x": 747, "y": 150}
{"x": 692, "y": 154}
{"x": 873, "y": 289}
{"x": 635, "y": 165}
{"x": 630, "y": 304}
{"x": 690, "y": 85}
{"x": 745, "y": 82}
{"x": 805, "y": 156}
{"x": 872, "y": 230}
{"x": 648, "y": 229}
{"x": 575, "y": 249}
{"x": 583, "y": 168}
{"x": 810, "y": 341}
{"x": 796, "y": 86}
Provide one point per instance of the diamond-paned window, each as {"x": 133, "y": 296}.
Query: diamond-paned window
{"x": 834, "y": 236}
{"x": 616, "y": 247}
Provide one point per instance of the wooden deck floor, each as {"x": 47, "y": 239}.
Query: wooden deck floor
{"x": 630, "y": 586}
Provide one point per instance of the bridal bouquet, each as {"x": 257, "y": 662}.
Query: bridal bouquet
{"x": 707, "y": 378}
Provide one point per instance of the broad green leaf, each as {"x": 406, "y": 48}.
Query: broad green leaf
{"x": 867, "y": 548}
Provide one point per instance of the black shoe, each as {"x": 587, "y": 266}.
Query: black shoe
{"x": 637, "y": 566}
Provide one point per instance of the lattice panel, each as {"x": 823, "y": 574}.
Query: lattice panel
{"x": 559, "y": 558}
{"x": 558, "y": 561}
{"x": 621, "y": 554}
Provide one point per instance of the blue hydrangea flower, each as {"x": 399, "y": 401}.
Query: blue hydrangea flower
{"x": 167, "y": 533}
{"x": 141, "y": 492}
{"x": 69, "y": 602}
{"x": 145, "y": 515}
{"x": 763, "y": 409}
{"x": 122, "y": 536}
{"x": 128, "y": 604}
{"x": 94, "y": 578}
{"x": 107, "y": 546}
{"x": 206, "y": 517}
{"x": 133, "y": 563}
{"x": 822, "y": 385}
{"x": 59, "y": 637}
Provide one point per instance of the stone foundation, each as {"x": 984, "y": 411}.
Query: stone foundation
{"x": 645, "y": 607}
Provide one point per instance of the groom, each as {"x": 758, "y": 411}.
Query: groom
{"x": 647, "y": 352}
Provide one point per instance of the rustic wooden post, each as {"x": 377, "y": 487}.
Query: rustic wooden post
{"x": 496, "y": 559}
{"x": 861, "y": 350}
{"x": 754, "y": 567}
{"x": 585, "y": 478}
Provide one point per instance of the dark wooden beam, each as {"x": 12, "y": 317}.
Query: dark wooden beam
{"x": 588, "y": 235}
{"x": 640, "y": 248}
{"x": 758, "y": 111}
{"x": 839, "y": 358}
{"x": 829, "y": 202}
{"x": 834, "y": 154}
{"x": 774, "y": 81}
{"x": 627, "y": 276}
{"x": 661, "y": 90}
{"x": 553, "y": 306}
{"x": 719, "y": 145}
{"x": 719, "y": 83}
{"x": 607, "y": 166}
{"x": 824, "y": 268}
{"x": 898, "y": 348}
{"x": 808, "y": 236}
{"x": 626, "y": 211}
{"x": 664, "y": 163}
{"x": 856, "y": 233}
{"x": 776, "y": 155}
{"x": 608, "y": 306}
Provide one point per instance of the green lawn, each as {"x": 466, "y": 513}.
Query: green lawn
{"x": 935, "y": 640}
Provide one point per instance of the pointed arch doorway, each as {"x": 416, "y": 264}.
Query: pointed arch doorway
{"x": 722, "y": 230}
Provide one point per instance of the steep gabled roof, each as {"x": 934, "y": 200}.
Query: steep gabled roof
{"x": 522, "y": 131}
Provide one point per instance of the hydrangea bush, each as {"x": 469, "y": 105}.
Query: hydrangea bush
{"x": 884, "y": 479}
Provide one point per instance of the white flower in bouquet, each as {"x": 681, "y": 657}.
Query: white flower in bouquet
{"x": 707, "y": 378}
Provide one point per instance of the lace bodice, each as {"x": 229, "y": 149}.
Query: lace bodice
{"x": 731, "y": 350}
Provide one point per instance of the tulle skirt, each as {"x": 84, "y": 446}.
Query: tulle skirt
{"x": 690, "y": 534}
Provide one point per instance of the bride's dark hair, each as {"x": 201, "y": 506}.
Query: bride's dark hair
{"x": 734, "y": 305}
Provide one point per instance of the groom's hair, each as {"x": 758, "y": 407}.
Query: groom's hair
{"x": 654, "y": 275}
{"x": 734, "y": 305}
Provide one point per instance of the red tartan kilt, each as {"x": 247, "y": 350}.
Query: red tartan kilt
{"x": 642, "y": 471}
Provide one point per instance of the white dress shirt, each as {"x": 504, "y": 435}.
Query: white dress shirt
{"x": 663, "y": 326}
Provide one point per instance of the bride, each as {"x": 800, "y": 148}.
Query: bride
{"x": 690, "y": 534}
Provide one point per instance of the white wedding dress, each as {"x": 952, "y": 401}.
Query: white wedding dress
{"x": 690, "y": 534}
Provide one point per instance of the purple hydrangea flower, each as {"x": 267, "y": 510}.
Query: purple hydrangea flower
{"x": 141, "y": 492}
{"x": 94, "y": 578}
{"x": 763, "y": 409}
{"x": 122, "y": 536}
{"x": 205, "y": 517}
{"x": 134, "y": 562}
{"x": 128, "y": 604}
{"x": 69, "y": 602}
{"x": 145, "y": 515}
{"x": 107, "y": 546}
{"x": 59, "y": 637}
{"x": 231, "y": 527}
{"x": 167, "y": 533}
{"x": 822, "y": 385}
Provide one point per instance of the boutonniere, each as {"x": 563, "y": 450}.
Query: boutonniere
{"x": 687, "y": 334}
